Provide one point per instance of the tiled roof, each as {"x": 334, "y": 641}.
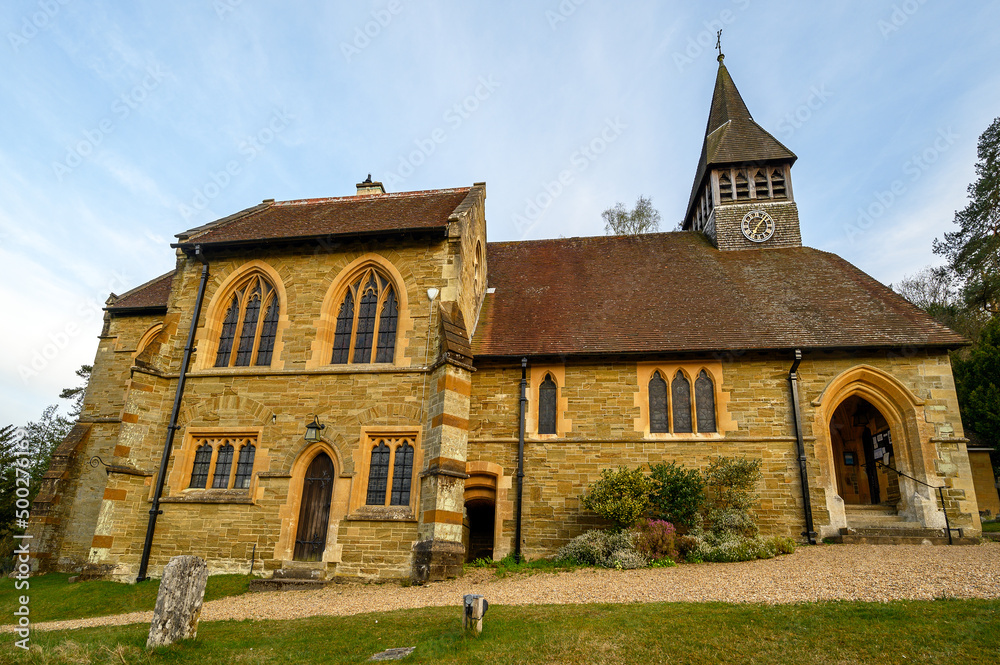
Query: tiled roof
{"x": 674, "y": 292}
{"x": 732, "y": 136}
{"x": 154, "y": 294}
{"x": 346, "y": 215}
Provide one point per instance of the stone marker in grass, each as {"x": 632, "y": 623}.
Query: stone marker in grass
{"x": 178, "y": 603}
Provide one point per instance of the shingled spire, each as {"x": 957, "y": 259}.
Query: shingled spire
{"x": 741, "y": 165}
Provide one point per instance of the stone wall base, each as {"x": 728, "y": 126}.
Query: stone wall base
{"x": 435, "y": 560}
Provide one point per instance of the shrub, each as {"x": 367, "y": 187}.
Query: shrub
{"x": 654, "y": 539}
{"x": 620, "y": 496}
{"x": 686, "y": 545}
{"x": 626, "y": 559}
{"x": 607, "y": 549}
{"x": 678, "y": 494}
{"x": 731, "y": 482}
{"x": 783, "y": 544}
{"x": 730, "y": 520}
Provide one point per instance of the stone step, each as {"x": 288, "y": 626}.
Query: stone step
{"x": 279, "y": 584}
{"x": 903, "y": 540}
{"x": 879, "y": 508}
{"x": 914, "y": 531}
{"x": 301, "y": 570}
{"x": 876, "y": 520}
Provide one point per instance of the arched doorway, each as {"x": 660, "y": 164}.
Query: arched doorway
{"x": 860, "y": 438}
{"x": 481, "y": 515}
{"x": 314, "y": 512}
{"x": 479, "y": 532}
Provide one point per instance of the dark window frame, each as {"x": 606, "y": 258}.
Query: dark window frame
{"x": 367, "y": 321}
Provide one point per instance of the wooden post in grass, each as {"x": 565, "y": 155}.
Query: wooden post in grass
{"x": 178, "y": 603}
{"x": 474, "y": 607}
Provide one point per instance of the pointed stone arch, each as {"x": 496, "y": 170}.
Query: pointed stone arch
{"x": 289, "y": 510}
{"x": 910, "y": 432}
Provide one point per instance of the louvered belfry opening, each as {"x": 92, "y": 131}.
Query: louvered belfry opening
{"x": 314, "y": 512}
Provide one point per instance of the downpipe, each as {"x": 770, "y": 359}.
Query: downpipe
{"x": 520, "y": 458}
{"x": 793, "y": 380}
{"x": 161, "y": 476}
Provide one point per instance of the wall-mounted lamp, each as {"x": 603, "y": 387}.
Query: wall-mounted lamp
{"x": 313, "y": 430}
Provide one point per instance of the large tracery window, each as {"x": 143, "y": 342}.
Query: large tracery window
{"x": 251, "y": 323}
{"x": 671, "y": 411}
{"x": 366, "y": 321}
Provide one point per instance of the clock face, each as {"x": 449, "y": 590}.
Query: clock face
{"x": 758, "y": 226}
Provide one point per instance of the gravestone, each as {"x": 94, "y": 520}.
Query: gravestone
{"x": 178, "y": 604}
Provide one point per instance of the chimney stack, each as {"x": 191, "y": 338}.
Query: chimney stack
{"x": 368, "y": 187}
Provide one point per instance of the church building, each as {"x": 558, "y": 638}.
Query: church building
{"x": 365, "y": 387}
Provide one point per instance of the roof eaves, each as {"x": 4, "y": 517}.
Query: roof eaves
{"x": 246, "y": 212}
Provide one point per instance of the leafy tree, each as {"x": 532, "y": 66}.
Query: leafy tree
{"x": 973, "y": 251}
{"x": 620, "y": 496}
{"x": 34, "y": 443}
{"x": 77, "y": 394}
{"x": 644, "y": 218}
{"x": 935, "y": 291}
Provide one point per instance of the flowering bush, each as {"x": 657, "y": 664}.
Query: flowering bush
{"x": 654, "y": 539}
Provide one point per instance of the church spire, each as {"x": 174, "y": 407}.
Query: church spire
{"x": 740, "y": 163}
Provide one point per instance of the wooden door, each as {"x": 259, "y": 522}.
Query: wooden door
{"x": 314, "y": 513}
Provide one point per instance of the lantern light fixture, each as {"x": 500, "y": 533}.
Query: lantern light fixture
{"x": 313, "y": 430}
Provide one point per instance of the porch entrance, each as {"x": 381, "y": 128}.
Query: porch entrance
{"x": 860, "y": 437}
{"x": 481, "y": 517}
{"x": 314, "y": 513}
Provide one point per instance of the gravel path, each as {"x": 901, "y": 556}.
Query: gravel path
{"x": 875, "y": 573}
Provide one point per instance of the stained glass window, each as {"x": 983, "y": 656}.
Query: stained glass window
{"x": 342, "y": 338}
{"x": 704, "y": 400}
{"x": 547, "y": 406}
{"x": 658, "y": 421}
{"x": 680, "y": 393}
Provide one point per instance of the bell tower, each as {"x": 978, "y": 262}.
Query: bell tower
{"x": 742, "y": 193}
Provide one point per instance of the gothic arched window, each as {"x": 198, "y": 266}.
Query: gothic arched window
{"x": 704, "y": 400}
{"x": 252, "y": 319}
{"x": 680, "y": 393}
{"x": 658, "y": 421}
{"x": 366, "y": 321}
{"x": 547, "y": 406}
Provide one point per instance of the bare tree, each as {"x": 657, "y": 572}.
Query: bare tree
{"x": 644, "y": 218}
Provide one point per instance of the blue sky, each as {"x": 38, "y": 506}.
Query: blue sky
{"x": 125, "y": 123}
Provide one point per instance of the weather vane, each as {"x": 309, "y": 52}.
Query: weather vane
{"x": 718, "y": 42}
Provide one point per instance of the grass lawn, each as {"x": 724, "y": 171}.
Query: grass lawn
{"x": 991, "y": 527}
{"x": 52, "y": 597}
{"x": 943, "y": 631}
